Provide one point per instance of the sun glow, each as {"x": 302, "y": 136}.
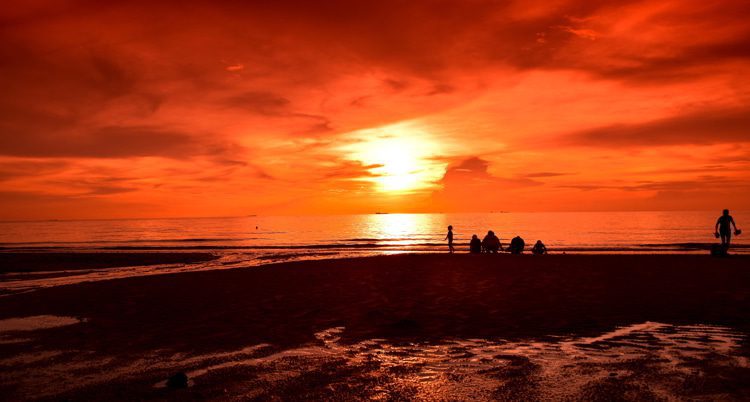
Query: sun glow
{"x": 401, "y": 156}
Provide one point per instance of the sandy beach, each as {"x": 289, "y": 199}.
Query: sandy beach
{"x": 392, "y": 327}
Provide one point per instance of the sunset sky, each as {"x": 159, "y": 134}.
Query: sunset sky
{"x": 223, "y": 108}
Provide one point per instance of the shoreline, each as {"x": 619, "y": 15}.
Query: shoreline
{"x": 436, "y": 247}
{"x": 30, "y": 270}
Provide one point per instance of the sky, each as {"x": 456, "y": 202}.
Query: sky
{"x": 232, "y": 108}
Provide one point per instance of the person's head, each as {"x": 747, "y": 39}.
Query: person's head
{"x": 539, "y": 242}
{"x": 450, "y": 227}
{"x": 490, "y": 233}
{"x": 726, "y": 212}
{"x": 474, "y": 237}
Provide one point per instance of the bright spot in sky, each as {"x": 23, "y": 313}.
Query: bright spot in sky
{"x": 404, "y": 154}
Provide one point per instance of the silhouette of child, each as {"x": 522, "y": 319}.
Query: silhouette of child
{"x": 449, "y": 237}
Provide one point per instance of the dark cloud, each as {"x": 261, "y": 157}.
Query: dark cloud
{"x": 15, "y": 169}
{"x": 702, "y": 183}
{"x": 697, "y": 169}
{"x": 701, "y": 128}
{"x": 546, "y": 174}
{"x": 475, "y": 171}
{"x": 469, "y": 186}
{"x": 106, "y": 142}
{"x": 350, "y": 170}
{"x": 266, "y": 103}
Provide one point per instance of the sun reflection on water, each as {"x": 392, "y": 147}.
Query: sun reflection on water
{"x": 398, "y": 229}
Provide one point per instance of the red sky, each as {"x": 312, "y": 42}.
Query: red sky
{"x": 282, "y": 107}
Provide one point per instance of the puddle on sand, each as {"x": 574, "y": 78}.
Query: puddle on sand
{"x": 642, "y": 361}
{"x": 649, "y": 360}
{"x": 36, "y": 322}
{"x": 10, "y": 327}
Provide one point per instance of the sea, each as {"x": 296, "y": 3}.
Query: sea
{"x": 368, "y": 234}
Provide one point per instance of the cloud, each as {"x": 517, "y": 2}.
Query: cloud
{"x": 258, "y": 102}
{"x": 475, "y": 171}
{"x": 108, "y": 142}
{"x": 701, "y": 183}
{"x": 469, "y": 186}
{"x": 350, "y": 170}
{"x": 546, "y": 174}
{"x": 701, "y": 128}
{"x": 13, "y": 169}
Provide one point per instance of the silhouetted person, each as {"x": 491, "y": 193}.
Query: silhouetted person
{"x": 490, "y": 243}
{"x": 449, "y": 237}
{"x": 516, "y": 245}
{"x": 475, "y": 245}
{"x": 723, "y": 230}
{"x": 539, "y": 248}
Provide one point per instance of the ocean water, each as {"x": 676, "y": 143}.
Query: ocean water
{"x": 620, "y": 232}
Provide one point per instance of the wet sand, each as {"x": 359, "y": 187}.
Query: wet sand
{"x": 458, "y": 327}
{"x": 56, "y": 261}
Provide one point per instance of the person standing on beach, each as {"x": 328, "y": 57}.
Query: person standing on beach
{"x": 449, "y": 237}
{"x": 723, "y": 230}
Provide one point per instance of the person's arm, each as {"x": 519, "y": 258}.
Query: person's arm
{"x": 733, "y": 224}
{"x": 716, "y": 228}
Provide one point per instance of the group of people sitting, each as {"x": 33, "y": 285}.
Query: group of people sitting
{"x": 491, "y": 244}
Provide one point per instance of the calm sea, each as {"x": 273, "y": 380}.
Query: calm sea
{"x": 257, "y": 240}
{"x": 623, "y": 232}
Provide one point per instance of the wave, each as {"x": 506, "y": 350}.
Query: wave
{"x": 412, "y": 246}
{"x": 183, "y": 240}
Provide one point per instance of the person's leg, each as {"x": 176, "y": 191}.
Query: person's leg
{"x": 726, "y": 238}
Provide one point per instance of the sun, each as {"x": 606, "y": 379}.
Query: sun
{"x": 402, "y": 157}
{"x": 399, "y": 169}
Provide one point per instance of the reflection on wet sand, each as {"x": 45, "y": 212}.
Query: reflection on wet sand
{"x": 649, "y": 360}
{"x": 35, "y": 322}
{"x": 11, "y": 328}
{"x": 21, "y": 282}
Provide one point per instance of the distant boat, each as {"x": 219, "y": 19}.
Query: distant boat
{"x": 381, "y": 213}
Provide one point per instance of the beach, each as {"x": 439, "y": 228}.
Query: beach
{"x": 391, "y": 327}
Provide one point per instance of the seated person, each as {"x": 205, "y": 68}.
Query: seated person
{"x": 475, "y": 246}
{"x": 516, "y": 245}
{"x": 539, "y": 248}
{"x": 490, "y": 243}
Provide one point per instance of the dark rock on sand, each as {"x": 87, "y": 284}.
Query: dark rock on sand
{"x": 179, "y": 380}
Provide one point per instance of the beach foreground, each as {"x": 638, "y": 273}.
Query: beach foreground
{"x": 429, "y": 327}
